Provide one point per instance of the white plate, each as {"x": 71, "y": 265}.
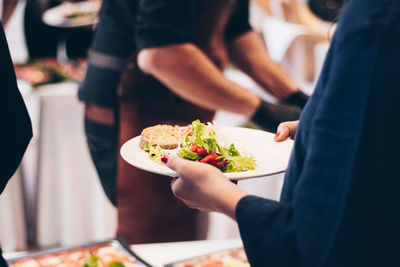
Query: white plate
{"x": 56, "y": 16}
{"x": 271, "y": 157}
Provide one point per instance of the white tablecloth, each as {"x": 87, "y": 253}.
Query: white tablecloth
{"x": 12, "y": 217}
{"x": 64, "y": 201}
{"x": 72, "y": 207}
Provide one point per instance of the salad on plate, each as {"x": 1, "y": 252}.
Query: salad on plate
{"x": 199, "y": 142}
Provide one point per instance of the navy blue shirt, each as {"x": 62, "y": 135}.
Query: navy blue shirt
{"x": 340, "y": 200}
{"x": 16, "y": 130}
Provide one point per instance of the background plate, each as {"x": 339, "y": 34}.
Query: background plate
{"x": 271, "y": 157}
{"x": 55, "y": 16}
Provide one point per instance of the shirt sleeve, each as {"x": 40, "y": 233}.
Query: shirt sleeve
{"x": 160, "y": 22}
{"x": 239, "y": 22}
{"x": 267, "y": 231}
{"x": 17, "y": 130}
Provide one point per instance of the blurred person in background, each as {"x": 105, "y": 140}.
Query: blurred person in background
{"x": 43, "y": 40}
{"x": 339, "y": 203}
{"x": 178, "y": 50}
{"x": 16, "y": 130}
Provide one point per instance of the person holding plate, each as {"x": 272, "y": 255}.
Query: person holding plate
{"x": 339, "y": 203}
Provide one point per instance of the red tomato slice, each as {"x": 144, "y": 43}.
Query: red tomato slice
{"x": 194, "y": 148}
{"x": 201, "y": 152}
{"x": 209, "y": 158}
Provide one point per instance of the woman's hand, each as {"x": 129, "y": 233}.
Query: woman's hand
{"x": 204, "y": 187}
{"x": 286, "y": 130}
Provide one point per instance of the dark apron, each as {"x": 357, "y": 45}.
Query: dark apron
{"x": 147, "y": 210}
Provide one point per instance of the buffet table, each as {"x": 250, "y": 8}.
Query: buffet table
{"x": 70, "y": 200}
{"x": 56, "y": 194}
{"x": 159, "y": 254}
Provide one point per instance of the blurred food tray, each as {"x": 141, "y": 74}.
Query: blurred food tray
{"x": 115, "y": 252}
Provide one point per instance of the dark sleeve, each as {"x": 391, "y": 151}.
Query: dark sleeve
{"x": 307, "y": 225}
{"x": 160, "y": 22}
{"x": 239, "y": 22}
{"x": 16, "y": 130}
{"x": 267, "y": 231}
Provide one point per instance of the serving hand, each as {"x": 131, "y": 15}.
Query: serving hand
{"x": 204, "y": 187}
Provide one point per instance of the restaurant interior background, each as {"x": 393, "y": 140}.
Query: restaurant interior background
{"x": 55, "y": 198}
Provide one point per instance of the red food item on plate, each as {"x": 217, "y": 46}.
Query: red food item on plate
{"x": 164, "y": 158}
{"x": 201, "y": 152}
{"x": 210, "y": 158}
{"x": 194, "y": 148}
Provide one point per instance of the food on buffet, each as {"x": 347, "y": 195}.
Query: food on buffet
{"x": 197, "y": 142}
{"x": 32, "y": 74}
{"x": 96, "y": 256}
{"x": 50, "y": 70}
{"x": 232, "y": 258}
{"x": 73, "y": 71}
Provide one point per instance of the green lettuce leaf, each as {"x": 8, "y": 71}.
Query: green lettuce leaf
{"x": 239, "y": 164}
{"x": 187, "y": 154}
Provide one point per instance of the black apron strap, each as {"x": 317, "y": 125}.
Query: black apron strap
{"x": 106, "y": 61}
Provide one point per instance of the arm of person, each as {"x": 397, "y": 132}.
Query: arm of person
{"x": 250, "y": 55}
{"x": 13, "y": 115}
{"x": 164, "y": 33}
{"x": 187, "y": 71}
{"x": 327, "y": 197}
{"x": 266, "y": 226}
{"x": 248, "y": 52}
